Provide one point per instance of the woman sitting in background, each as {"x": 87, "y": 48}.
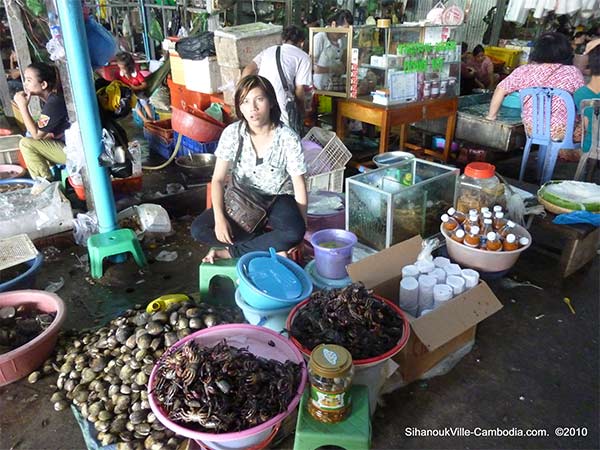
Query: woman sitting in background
{"x": 591, "y": 91}
{"x": 484, "y": 69}
{"x": 550, "y": 66}
{"x": 264, "y": 156}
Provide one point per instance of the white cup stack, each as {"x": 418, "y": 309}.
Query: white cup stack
{"x": 441, "y": 261}
{"x": 409, "y": 295}
{"x": 452, "y": 269}
{"x": 410, "y": 271}
{"x": 425, "y": 266}
{"x": 426, "y": 284}
{"x": 471, "y": 278}
{"x": 456, "y": 283}
{"x": 441, "y": 294}
{"x": 439, "y": 274}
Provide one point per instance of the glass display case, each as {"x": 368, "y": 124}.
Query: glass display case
{"x": 391, "y": 204}
{"x": 402, "y": 64}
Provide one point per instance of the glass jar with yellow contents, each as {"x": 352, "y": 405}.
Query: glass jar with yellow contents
{"x": 330, "y": 370}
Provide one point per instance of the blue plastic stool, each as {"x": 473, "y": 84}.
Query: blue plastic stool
{"x": 354, "y": 433}
{"x": 541, "y": 133}
{"x": 113, "y": 243}
{"x": 222, "y": 267}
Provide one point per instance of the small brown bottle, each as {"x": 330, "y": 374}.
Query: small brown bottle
{"x": 510, "y": 243}
{"x": 473, "y": 239}
{"x": 507, "y": 229}
{"x": 459, "y": 216}
{"x": 472, "y": 221}
{"x": 499, "y": 221}
{"x": 523, "y": 241}
{"x": 449, "y": 223}
{"x": 458, "y": 235}
{"x": 492, "y": 242}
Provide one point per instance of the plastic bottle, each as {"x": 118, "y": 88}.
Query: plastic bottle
{"x": 485, "y": 230}
{"x": 459, "y": 216}
{"x": 497, "y": 209}
{"x": 523, "y": 241}
{"x": 484, "y": 216}
{"x": 492, "y": 242}
{"x": 449, "y": 223}
{"x": 499, "y": 221}
{"x": 484, "y": 210}
{"x": 472, "y": 221}
{"x": 506, "y": 229}
{"x": 510, "y": 243}
{"x": 458, "y": 235}
{"x": 473, "y": 239}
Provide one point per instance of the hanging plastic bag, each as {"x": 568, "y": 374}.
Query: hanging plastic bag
{"x": 101, "y": 44}
{"x": 155, "y": 31}
{"x": 55, "y": 49}
{"x": 116, "y": 157}
{"x": 126, "y": 26}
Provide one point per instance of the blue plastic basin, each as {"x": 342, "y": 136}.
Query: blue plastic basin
{"x": 260, "y": 300}
{"x": 25, "y": 280}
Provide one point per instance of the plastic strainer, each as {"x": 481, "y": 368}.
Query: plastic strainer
{"x": 273, "y": 278}
{"x": 16, "y": 250}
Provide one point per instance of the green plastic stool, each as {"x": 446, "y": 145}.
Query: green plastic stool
{"x": 110, "y": 244}
{"x": 221, "y": 267}
{"x": 354, "y": 433}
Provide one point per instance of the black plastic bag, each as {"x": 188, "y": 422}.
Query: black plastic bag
{"x": 197, "y": 47}
{"x": 115, "y": 156}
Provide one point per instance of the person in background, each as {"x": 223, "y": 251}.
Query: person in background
{"x": 271, "y": 163}
{"x": 467, "y": 73}
{"x": 578, "y": 42}
{"x": 591, "y": 91}
{"x": 13, "y": 76}
{"x": 296, "y": 66}
{"x": 484, "y": 69}
{"x": 328, "y": 52}
{"x": 133, "y": 78}
{"x": 551, "y": 66}
{"x": 45, "y": 146}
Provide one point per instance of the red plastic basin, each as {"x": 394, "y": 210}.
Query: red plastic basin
{"x": 198, "y": 126}
{"x": 21, "y": 361}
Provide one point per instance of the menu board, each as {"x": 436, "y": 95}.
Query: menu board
{"x": 402, "y": 86}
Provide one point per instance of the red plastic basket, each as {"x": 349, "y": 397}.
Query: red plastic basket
{"x": 198, "y": 126}
{"x": 119, "y": 185}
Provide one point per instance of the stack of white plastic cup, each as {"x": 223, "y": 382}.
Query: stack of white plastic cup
{"x": 409, "y": 295}
{"x": 471, "y": 278}
{"x": 456, "y": 283}
{"x": 426, "y": 284}
{"x": 441, "y": 294}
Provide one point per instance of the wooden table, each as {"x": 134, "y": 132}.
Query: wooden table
{"x": 401, "y": 115}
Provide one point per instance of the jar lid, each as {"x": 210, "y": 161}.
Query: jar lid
{"x": 480, "y": 170}
{"x": 329, "y": 360}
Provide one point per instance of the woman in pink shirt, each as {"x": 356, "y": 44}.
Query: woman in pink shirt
{"x": 484, "y": 69}
{"x": 550, "y": 66}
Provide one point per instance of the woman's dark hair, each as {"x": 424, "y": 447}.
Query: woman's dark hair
{"x": 47, "y": 73}
{"x": 594, "y": 61}
{"x": 464, "y": 47}
{"x": 250, "y": 82}
{"x": 340, "y": 17}
{"x": 292, "y": 34}
{"x": 477, "y": 50}
{"x": 553, "y": 48}
{"x": 126, "y": 59}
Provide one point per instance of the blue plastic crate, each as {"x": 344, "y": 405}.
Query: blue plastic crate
{"x": 188, "y": 145}
{"x": 159, "y": 145}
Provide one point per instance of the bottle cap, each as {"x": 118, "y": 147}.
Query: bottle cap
{"x": 487, "y": 215}
{"x": 510, "y": 224}
{"x": 474, "y": 229}
{"x": 451, "y": 211}
{"x": 497, "y": 208}
{"x": 445, "y": 218}
{"x": 329, "y": 360}
{"x": 511, "y": 238}
{"x": 487, "y": 221}
{"x": 491, "y": 236}
{"x": 473, "y": 212}
{"x": 499, "y": 215}
{"x": 524, "y": 241}
{"x": 460, "y": 233}
{"x": 484, "y": 210}
{"x": 480, "y": 170}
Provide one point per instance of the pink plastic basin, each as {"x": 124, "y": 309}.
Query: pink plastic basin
{"x": 256, "y": 339}
{"x": 21, "y": 361}
{"x": 11, "y": 171}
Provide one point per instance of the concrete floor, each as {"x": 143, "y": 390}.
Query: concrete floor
{"x": 535, "y": 365}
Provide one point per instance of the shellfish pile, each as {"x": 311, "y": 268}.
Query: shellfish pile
{"x": 104, "y": 373}
{"x": 223, "y": 389}
{"x": 351, "y": 317}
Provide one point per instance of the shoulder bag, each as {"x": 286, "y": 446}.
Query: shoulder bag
{"x": 243, "y": 204}
{"x": 295, "y": 120}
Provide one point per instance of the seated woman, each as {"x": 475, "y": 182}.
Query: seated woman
{"x": 45, "y": 146}
{"x": 550, "y": 66}
{"x": 270, "y": 162}
{"x": 485, "y": 78}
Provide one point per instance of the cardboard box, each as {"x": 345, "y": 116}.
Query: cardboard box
{"x": 437, "y": 334}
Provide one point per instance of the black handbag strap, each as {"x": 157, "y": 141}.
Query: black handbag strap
{"x": 284, "y": 83}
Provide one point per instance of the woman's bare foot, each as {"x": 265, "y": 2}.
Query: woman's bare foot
{"x": 284, "y": 254}
{"x": 214, "y": 254}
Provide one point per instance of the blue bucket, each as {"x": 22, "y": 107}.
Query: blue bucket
{"x": 274, "y": 319}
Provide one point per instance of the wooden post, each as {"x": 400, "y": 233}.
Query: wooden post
{"x": 498, "y": 20}
{"x": 5, "y": 93}
{"x": 19, "y": 38}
